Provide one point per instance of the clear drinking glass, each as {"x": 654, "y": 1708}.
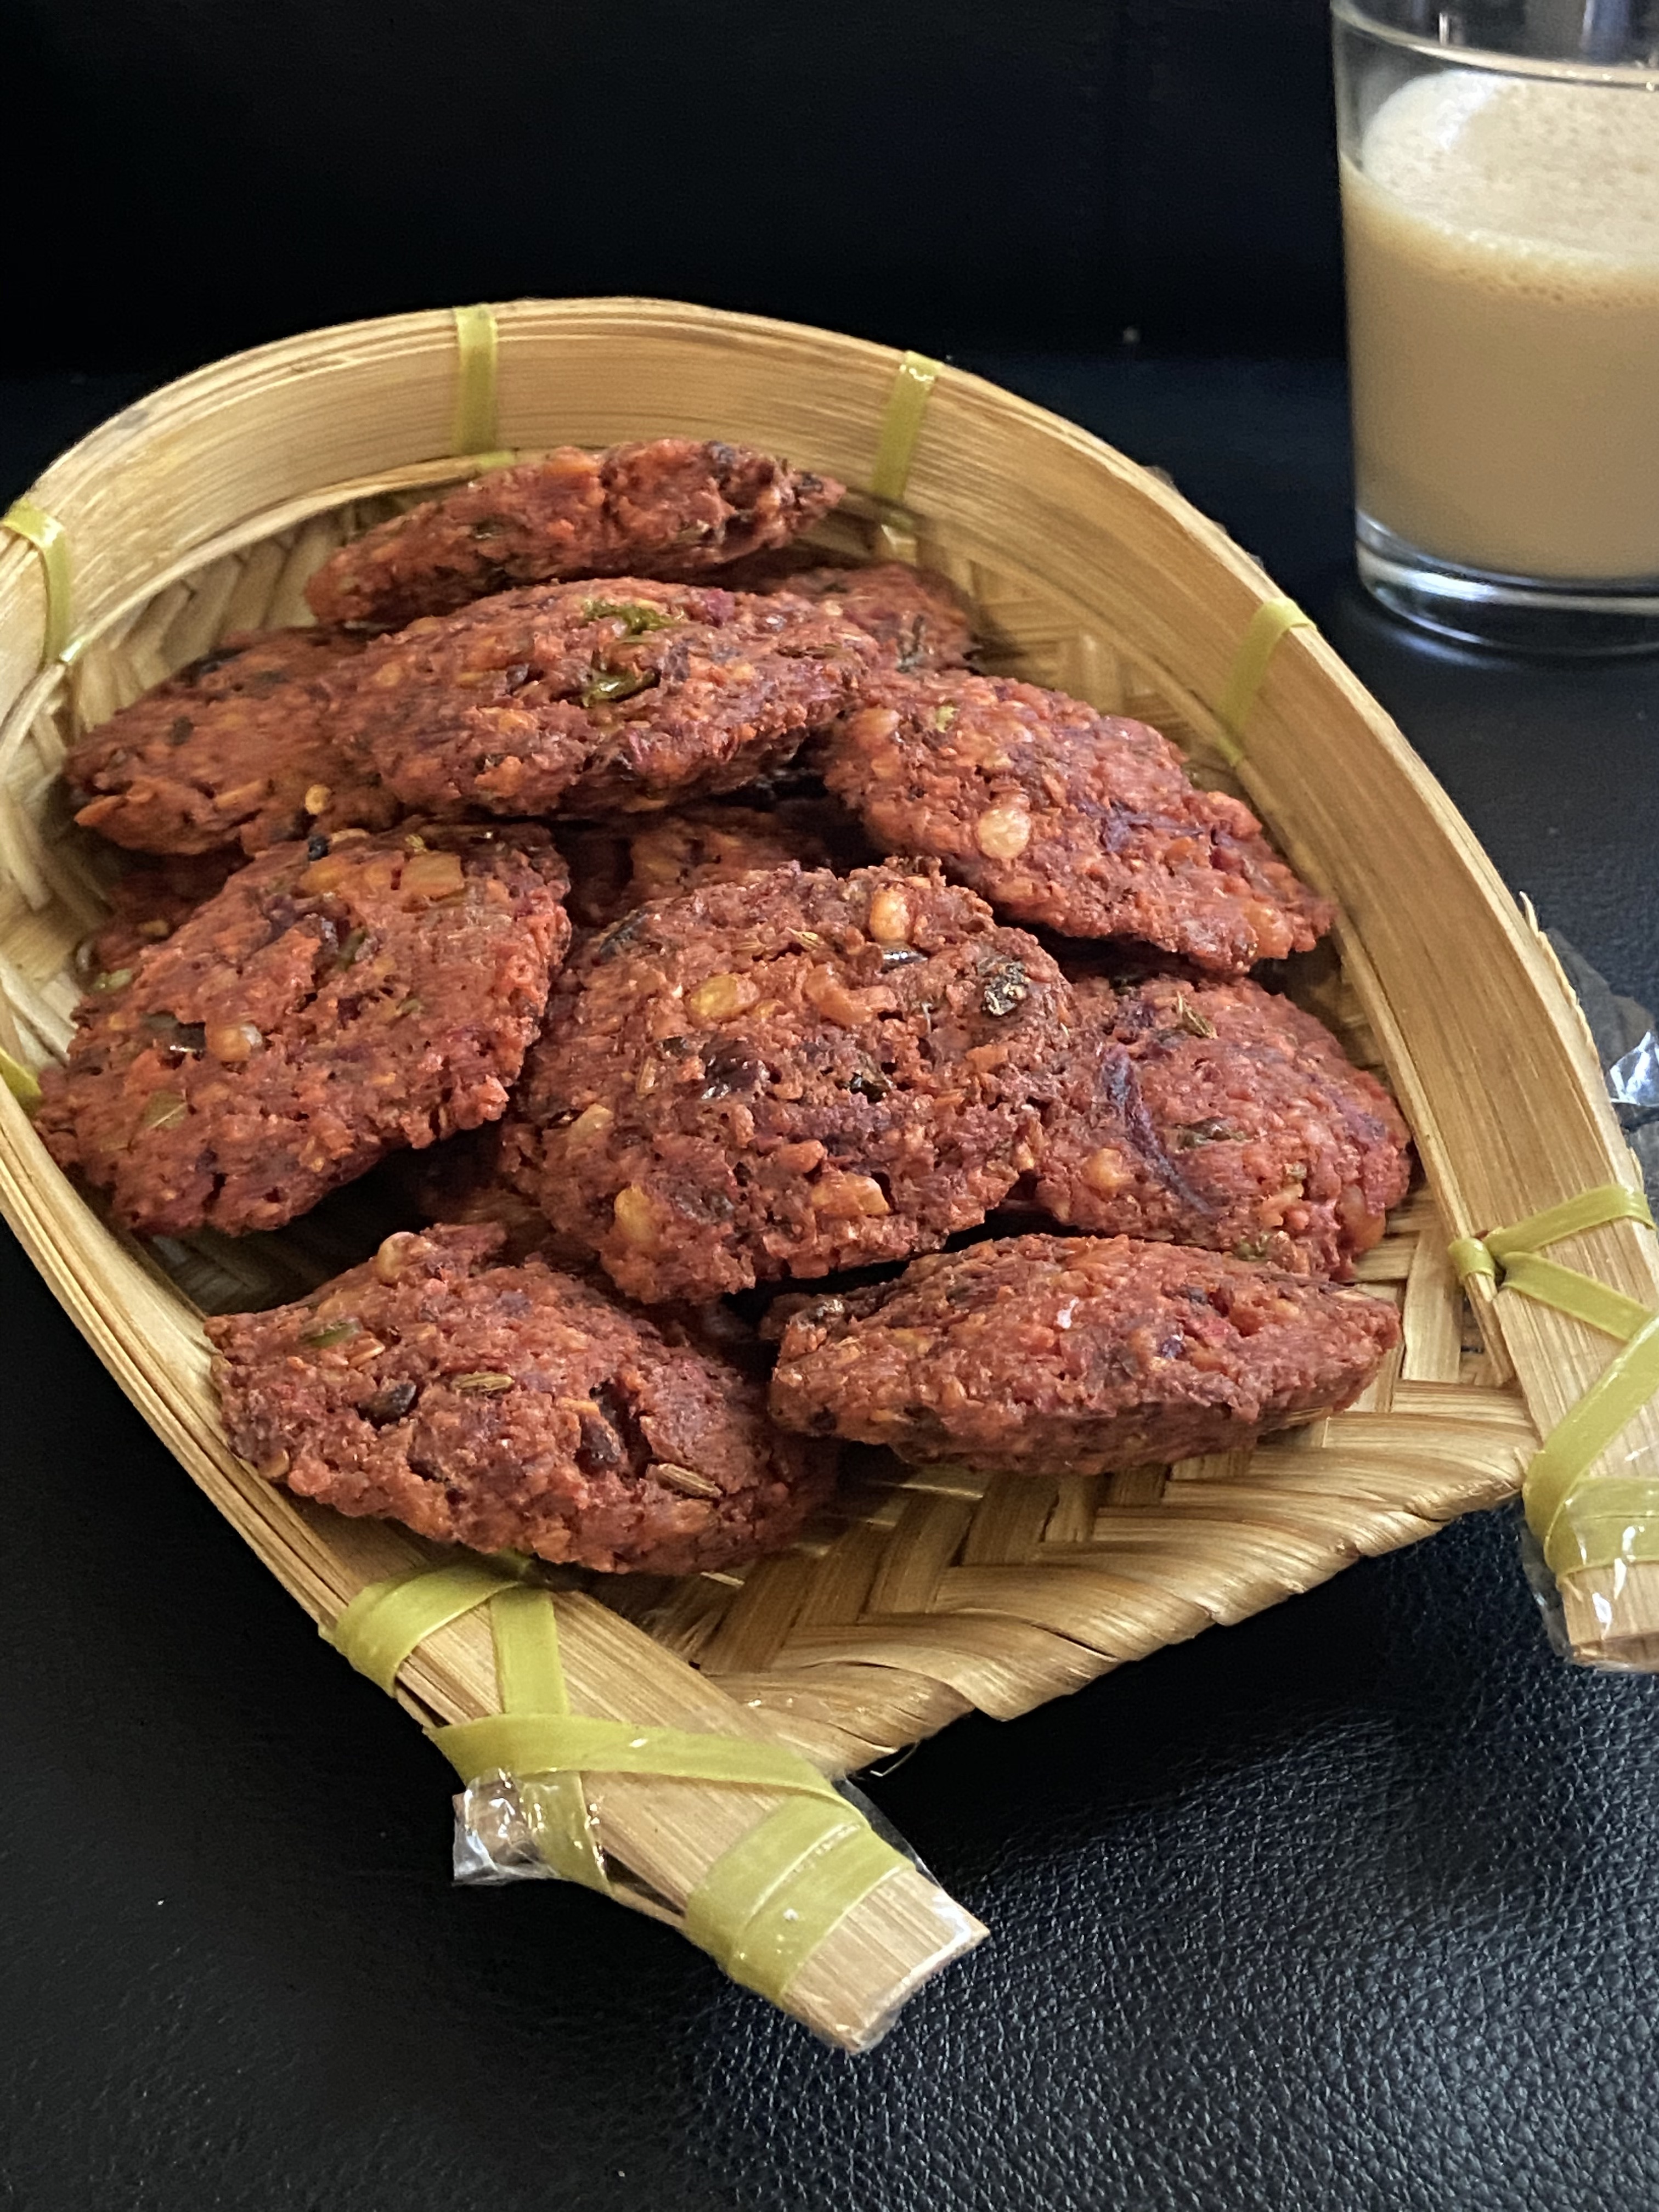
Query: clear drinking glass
{"x": 1500, "y": 196}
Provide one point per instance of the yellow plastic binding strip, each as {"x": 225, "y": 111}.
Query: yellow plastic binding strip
{"x": 1494, "y": 1254}
{"x": 1469, "y": 1257}
{"x": 745, "y": 1876}
{"x": 900, "y": 425}
{"x": 1580, "y": 1437}
{"x": 530, "y": 1678}
{"x": 19, "y": 1081}
{"x": 50, "y": 541}
{"x": 1570, "y": 1292}
{"x": 528, "y": 1669}
{"x": 384, "y": 1623}
{"x": 1266, "y": 626}
{"x": 766, "y": 1905}
{"x": 776, "y": 1943}
{"x": 1614, "y": 1518}
{"x": 1591, "y": 1209}
{"x": 563, "y": 1828}
{"x": 564, "y": 1743}
{"x": 476, "y": 347}
{"x": 1581, "y": 1519}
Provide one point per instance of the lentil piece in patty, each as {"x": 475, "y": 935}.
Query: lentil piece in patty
{"x": 1217, "y": 1113}
{"x": 786, "y": 1076}
{"x": 235, "y": 750}
{"x": 513, "y": 1407}
{"x": 592, "y": 699}
{"x": 325, "y": 1007}
{"x": 670, "y": 507}
{"x": 1057, "y": 1355}
{"x": 1080, "y": 822}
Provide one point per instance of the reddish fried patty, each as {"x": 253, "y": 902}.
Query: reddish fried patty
{"x": 598, "y": 698}
{"x": 233, "y": 750}
{"x": 1064, "y": 817}
{"x": 511, "y": 1408}
{"x": 1056, "y": 1355}
{"x": 669, "y": 506}
{"x": 1216, "y": 1114}
{"x": 712, "y": 844}
{"x": 915, "y": 613}
{"x": 786, "y": 1076}
{"x": 149, "y": 899}
{"x": 315, "y": 1015}
{"x": 613, "y": 869}
{"x": 459, "y": 1182}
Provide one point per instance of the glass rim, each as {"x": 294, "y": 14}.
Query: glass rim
{"x": 1622, "y": 75}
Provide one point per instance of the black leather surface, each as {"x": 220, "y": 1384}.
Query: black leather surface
{"x": 206, "y": 174}
{"x": 1350, "y": 1907}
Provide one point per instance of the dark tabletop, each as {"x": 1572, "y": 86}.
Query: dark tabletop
{"x": 1350, "y": 1907}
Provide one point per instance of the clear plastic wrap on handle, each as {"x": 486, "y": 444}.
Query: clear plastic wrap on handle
{"x": 1589, "y": 1531}
{"x": 513, "y": 1827}
{"x": 792, "y": 1882}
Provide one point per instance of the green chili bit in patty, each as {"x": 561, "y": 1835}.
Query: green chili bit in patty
{"x": 1208, "y": 1132}
{"x": 635, "y": 617}
{"x": 322, "y": 1335}
{"x": 1189, "y": 1018}
{"x": 164, "y": 1109}
{"x": 604, "y": 685}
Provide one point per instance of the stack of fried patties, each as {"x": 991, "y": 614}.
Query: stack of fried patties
{"x": 554, "y": 854}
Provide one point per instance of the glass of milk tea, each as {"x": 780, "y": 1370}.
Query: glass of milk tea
{"x": 1500, "y": 196}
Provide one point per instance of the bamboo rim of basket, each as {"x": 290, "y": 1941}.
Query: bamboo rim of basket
{"x": 1208, "y": 608}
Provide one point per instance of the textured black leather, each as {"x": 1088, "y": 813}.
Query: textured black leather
{"x": 202, "y": 176}
{"x": 1347, "y": 1910}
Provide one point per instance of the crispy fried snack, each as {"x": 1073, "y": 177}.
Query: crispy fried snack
{"x": 613, "y": 869}
{"x": 1067, "y": 817}
{"x": 917, "y": 615}
{"x": 1077, "y": 1355}
{"x": 324, "y": 1008}
{"x": 513, "y": 1407}
{"x": 149, "y": 899}
{"x": 786, "y": 1076}
{"x": 596, "y": 698}
{"x": 235, "y": 750}
{"x": 675, "y": 507}
{"x": 1217, "y": 1113}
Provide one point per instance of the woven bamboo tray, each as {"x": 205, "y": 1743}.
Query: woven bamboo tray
{"x": 925, "y": 1595}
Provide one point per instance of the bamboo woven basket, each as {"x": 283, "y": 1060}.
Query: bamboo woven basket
{"x": 925, "y": 1595}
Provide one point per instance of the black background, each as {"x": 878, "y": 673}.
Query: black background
{"x": 1349, "y": 1907}
{"x": 195, "y": 175}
